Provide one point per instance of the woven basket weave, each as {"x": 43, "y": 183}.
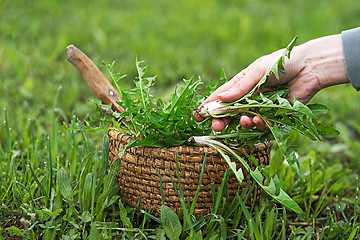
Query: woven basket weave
{"x": 140, "y": 166}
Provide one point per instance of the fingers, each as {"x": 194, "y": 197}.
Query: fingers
{"x": 246, "y": 122}
{"x": 259, "y": 123}
{"x": 256, "y": 121}
{"x": 237, "y": 87}
{"x": 198, "y": 118}
{"x": 243, "y": 84}
{"x": 225, "y": 87}
{"x": 218, "y": 124}
{"x": 214, "y": 96}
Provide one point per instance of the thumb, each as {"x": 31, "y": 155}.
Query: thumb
{"x": 242, "y": 85}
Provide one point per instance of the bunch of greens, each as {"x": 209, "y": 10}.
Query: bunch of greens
{"x": 155, "y": 123}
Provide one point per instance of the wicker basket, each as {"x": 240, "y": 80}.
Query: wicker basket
{"x": 139, "y": 175}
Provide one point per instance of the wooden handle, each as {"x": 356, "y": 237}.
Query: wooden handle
{"x": 94, "y": 78}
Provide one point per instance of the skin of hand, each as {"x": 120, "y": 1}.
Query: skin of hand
{"x": 312, "y": 66}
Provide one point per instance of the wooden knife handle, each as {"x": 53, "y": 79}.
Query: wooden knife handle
{"x": 94, "y": 78}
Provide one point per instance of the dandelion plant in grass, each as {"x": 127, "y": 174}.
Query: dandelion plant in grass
{"x": 152, "y": 122}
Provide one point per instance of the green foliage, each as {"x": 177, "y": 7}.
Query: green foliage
{"x": 175, "y": 39}
{"x": 273, "y": 188}
{"x": 64, "y": 186}
{"x": 153, "y": 122}
{"x": 170, "y": 222}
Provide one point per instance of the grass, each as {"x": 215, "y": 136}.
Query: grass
{"x": 55, "y": 181}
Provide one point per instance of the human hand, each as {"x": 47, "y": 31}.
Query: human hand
{"x": 314, "y": 65}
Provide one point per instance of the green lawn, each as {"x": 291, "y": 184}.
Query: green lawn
{"x": 44, "y": 163}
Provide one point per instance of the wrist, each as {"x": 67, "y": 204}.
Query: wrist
{"x": 323, "y": 60}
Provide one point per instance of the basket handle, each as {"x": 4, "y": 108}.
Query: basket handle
{"x": 94, "y": 78}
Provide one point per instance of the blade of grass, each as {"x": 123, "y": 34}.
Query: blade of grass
{"x": 49, "y": 170}
{"x": 217, "y": 201}
{"x": 238, "y": 213}
{"x": 223, "y": 228}
{"x": 235, "y": 203}
{"x": 282, "y": 234}
{"x": 32, "y": 202}
{"x": 192, "y": 208}
{"x": 180, "y": 195}
{"x": 8, "y": 188}
{"x": 85, "y": 136}
{"x": 42, "y": 189}
{"x": 220, "y": 191}
{"x": 270, "y": 223}
{"x": 253, "y": 229}
{"x": 123, "y": 216}
{"x": 2, "y": 152}
{"x": 152, "y": 217}
{"x": 8, "y": 137}
{"x": 54, "y": 121}
{"x": 93, "y": 193}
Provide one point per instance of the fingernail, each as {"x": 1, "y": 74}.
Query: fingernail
{"x": 223, "y": 94}
{"x": 242, "y": 123}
